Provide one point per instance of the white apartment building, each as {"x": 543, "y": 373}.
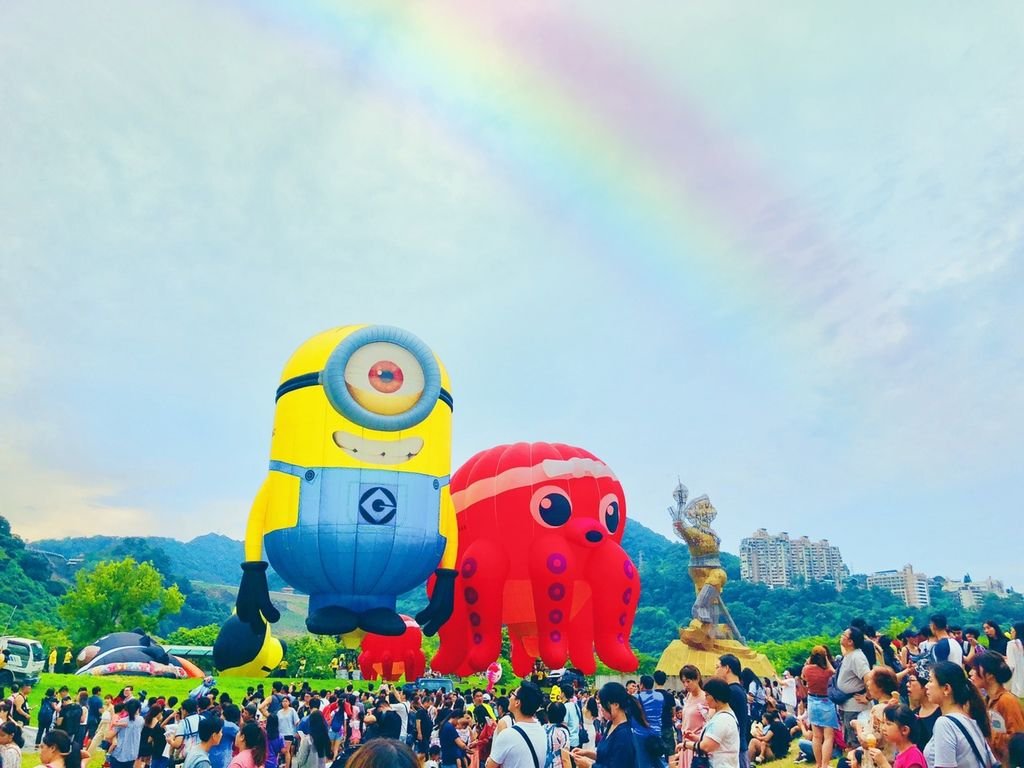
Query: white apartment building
{"x": 779, "y": 561}
{"x": 972, "y": 593}
{"x": 911, "y": 587}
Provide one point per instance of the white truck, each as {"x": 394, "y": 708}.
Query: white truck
{"x": 24, "y": 659}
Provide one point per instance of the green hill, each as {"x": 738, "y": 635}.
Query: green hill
{"x": 31, "y": 588}
{"x": 206, "y": 570}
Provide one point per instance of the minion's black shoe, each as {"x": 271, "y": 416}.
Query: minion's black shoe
{"x": 381, "y": 621}
{"x": 332, "y": 620}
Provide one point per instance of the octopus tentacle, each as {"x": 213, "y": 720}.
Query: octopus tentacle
{"x": 614, "y": 606}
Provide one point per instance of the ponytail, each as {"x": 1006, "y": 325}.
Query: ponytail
{"x": 11, "y": 729}
{"x": 635, "y": 712}
{"x": 615, "y": 693}
{"x": 964, "y": 693}
{"x": 64, "y": 744}
{"x": 256, "y": 742}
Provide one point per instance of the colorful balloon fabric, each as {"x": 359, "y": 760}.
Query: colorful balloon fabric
{"x": 389, "y": 658}
{"x": 493, "y": 675}
{"x": 540, "y": 531}
{"x": 240, "y": 652}
{"x": 132, "y": 653}
{"x": 355, "y": 509}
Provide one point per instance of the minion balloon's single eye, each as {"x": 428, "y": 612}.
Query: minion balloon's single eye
{"x": 380, "y": 377}
{"x": 384, "y": 378}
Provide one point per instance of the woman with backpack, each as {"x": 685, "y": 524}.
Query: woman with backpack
{"x": 757, "y": 699}
{"x": 44, "y": 718}
{"x": 617, "y": 747}
{"x": 960, "y": 736}
{"x": 557, "y": 733}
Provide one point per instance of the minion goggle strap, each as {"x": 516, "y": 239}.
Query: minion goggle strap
{"x": 379, "y": 377}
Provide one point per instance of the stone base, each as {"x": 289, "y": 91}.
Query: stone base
{"x": 678, "y": 654}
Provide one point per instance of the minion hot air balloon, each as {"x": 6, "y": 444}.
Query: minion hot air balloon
{"x": 355, "y": 509}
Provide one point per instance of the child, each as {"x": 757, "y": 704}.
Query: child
{"x": 433, "y": 757}
{"x": 901, "y": 733}
{"x": 465, "y": 730}
{"x": 355, "y": 724}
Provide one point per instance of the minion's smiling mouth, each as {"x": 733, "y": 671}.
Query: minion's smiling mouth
{"x": 378, "y": 451}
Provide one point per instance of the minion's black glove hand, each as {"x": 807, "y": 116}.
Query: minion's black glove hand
{"x": 442, "y": 602}
{"x": 253, "y": 602}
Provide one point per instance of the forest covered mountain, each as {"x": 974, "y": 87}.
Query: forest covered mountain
{"x": 206, "y": 569}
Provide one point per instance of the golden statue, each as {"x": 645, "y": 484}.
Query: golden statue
{"x": 704, "y": 638}
{"x": 693, "y": 524}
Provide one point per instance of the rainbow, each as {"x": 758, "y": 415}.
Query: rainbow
{"x": 596, "y": 139}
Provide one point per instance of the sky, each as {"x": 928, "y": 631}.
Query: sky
{"x": 775, "y": 251}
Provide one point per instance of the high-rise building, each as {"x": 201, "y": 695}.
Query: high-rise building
{"x": 911, "y": 587}
{"x": 779, "y": 561}
{"x": 972, "y": 593}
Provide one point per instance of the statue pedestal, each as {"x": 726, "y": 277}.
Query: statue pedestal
{"x": 678, "y": 654}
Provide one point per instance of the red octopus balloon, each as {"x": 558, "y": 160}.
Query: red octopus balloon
{"x": 540, "y": 527}
{"x": 389, "y": 658}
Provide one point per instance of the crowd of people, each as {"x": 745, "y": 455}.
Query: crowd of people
{"x": 935, "y": 698}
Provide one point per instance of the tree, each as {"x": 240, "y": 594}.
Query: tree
{"x": 43, "y": 631}
{"x": 117, "y": 596}
{"x": 206, "y": 635}
{"x": 317, "y": 650}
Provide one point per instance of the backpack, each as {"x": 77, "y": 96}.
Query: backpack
{"x": 554, "y": 756}
{"x": 584, "y": 736}
{"x": 653, "y": 704}
{"x": 648, "y": 745}
{"x": 178, "y": 753}
{"x": 835, "y": 695}
{"x": 668, "y": 710}
{"x": 275, "y": 703}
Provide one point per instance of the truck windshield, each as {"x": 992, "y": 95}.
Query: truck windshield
{"x": 19, "y": 654}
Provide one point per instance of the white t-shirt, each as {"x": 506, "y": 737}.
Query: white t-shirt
{"x": 723, "y": 728}
{"x": 788, "y": 685}
{"x": 189, "y": 728}
{"x": 170, "y": 731}
{"x": 956, "y": 651}
{"x": 1015, "y": 660}
{"x": 509, "y": 748}
{"x": 949, "y": 749}
{"x": 403, "y": 712}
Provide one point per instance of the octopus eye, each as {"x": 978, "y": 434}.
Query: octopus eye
{"x": 551, "y": 507}
{"x": 611, "y": 512}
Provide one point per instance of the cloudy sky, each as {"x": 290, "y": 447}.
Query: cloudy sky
{"x": 776, "y": 251}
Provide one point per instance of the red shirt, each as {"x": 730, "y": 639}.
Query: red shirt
{"x": 817, "y": 679}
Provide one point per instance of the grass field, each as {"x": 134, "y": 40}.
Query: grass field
{"x": 157, "y": 686}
